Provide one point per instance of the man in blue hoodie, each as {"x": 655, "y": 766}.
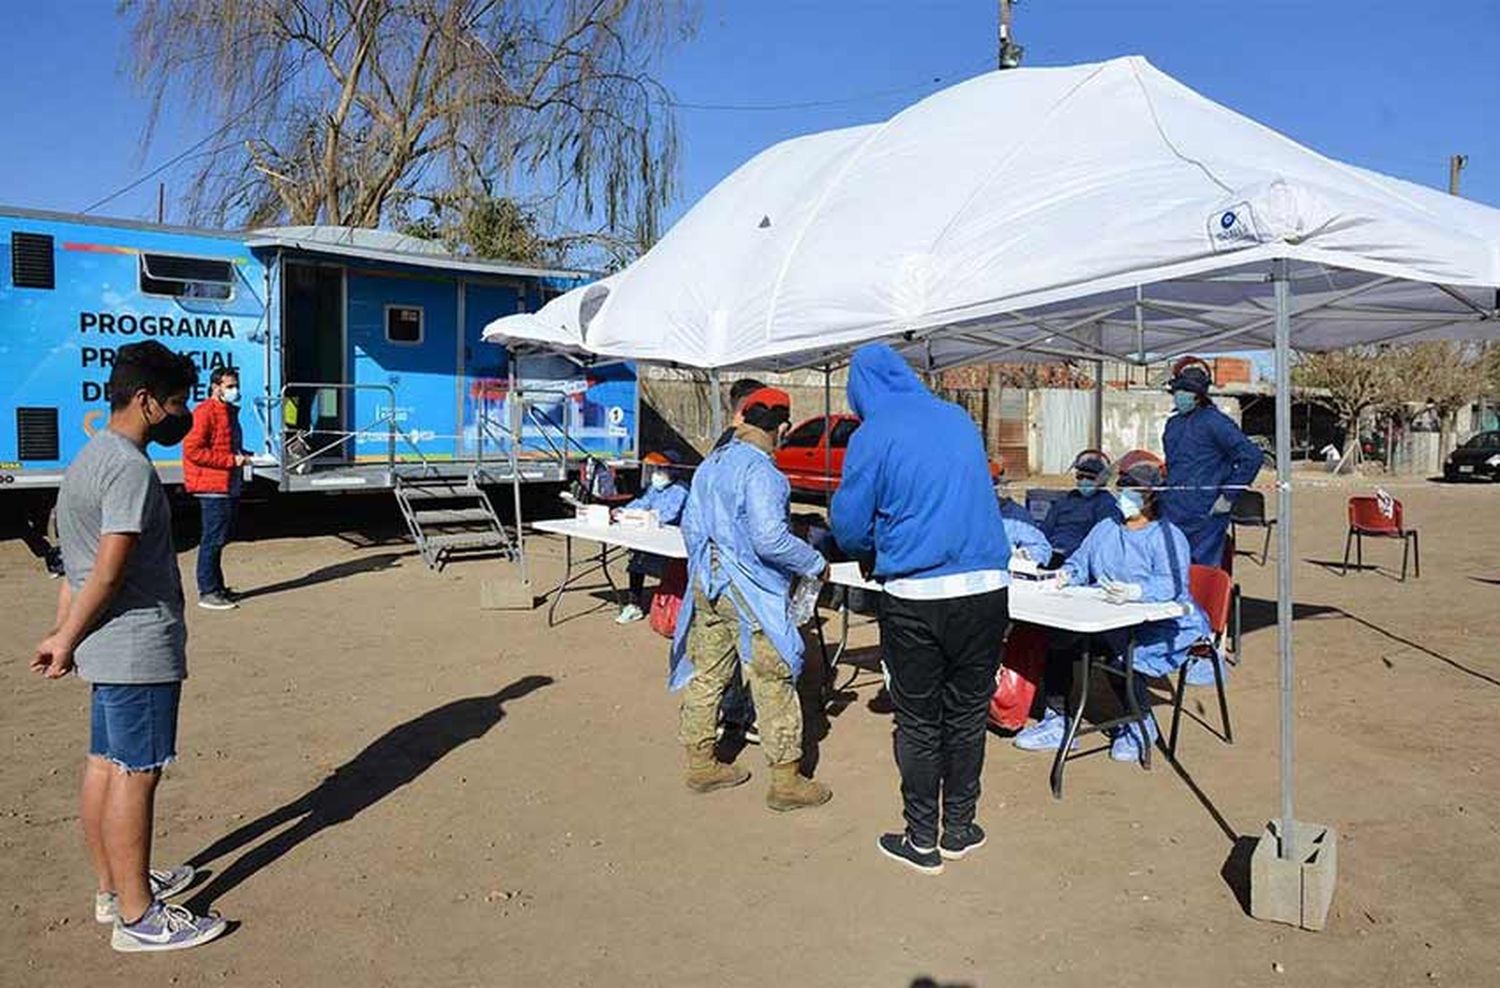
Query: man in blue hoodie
{"x": 916, "y": 493}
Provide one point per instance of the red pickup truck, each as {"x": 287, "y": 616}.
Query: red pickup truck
{"x": 812, "y": 455}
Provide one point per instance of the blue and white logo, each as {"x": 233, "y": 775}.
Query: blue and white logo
{"x": 1227, "y": 220}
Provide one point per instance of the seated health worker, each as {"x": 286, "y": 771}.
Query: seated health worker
{"x": 1138, "y": 557}
{"x": 665, "y": 494}
{"x": 1075, "y": 514}
{"x": 1026, "y": 539}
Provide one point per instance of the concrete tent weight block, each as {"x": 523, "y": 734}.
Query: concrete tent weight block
{"x": 1296, "y": 891}
{"x": 506, "y": 594}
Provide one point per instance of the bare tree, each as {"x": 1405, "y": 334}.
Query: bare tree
{"x": 1349, "y": 382}
{"x": 1443, "y": 376}
{"x": 340, "y": 111}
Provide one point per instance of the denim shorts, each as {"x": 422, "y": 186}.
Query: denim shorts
{"x": 135, "y": 726}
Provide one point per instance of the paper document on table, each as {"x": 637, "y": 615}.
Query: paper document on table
{"x": 848, "y": 574}
{"x": 1021, "y": 566}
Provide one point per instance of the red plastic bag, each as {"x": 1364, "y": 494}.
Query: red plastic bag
{"x": 1019, "y": 677}
{"x": 667, "y": 600}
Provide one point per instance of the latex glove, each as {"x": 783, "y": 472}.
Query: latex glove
{"x": 1121, "y": 593}
{"x": 1221, "y": 506}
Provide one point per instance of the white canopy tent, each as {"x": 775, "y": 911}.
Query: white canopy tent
{"x": 1081, "y": 213}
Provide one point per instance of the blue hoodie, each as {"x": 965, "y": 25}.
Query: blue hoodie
{"x": 916, "y": 487}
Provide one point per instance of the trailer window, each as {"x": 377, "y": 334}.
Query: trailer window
{"x": 31, "y": 260}
{"x": 187, "y": 277}
{"x": 403, "y": 324}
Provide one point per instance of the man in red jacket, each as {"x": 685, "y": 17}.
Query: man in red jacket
{"x": 211, "y": 469}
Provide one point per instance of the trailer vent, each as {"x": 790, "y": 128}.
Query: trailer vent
{"x": 31, "y": 260}
{"x": 36, "y": 433}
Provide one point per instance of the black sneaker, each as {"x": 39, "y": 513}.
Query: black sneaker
{"x": 960, "y": 841}
{"x": 898, "y": 847}
{"x": 216, "y": 602}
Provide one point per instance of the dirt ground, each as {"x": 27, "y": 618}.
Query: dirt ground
{"x": 390, "y": 786}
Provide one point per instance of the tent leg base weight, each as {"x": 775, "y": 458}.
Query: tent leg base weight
{"x": 1296, "y": 890}
{"x": 506, "y": 594}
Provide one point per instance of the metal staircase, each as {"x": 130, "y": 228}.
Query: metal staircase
{"x": 448, "y": 515}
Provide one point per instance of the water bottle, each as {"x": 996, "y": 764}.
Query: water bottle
{"x": 804, "y": 600}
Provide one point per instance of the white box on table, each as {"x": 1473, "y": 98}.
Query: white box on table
{"x": 640, "y": 519}
{"x": 594, "y": 515}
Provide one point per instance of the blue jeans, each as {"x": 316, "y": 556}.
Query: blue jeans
{"x": 134, "y": 726}
{"x": 218, "y": 526}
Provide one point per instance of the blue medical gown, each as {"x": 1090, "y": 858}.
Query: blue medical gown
{"x": 1156, "y": 558}
{"x": 1073, "y": 516}
{"x": 1023, "y": 532}
{"x": 738, "y": 505}
{"x": 667, "y": 503}
{"x": 1207, "y": 457}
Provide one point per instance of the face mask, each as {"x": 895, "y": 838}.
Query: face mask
{"x": 1185, "y": 401}
{"x": 230, "y": 396}
{"x": 1129, "y": 503}
{"x": 1087, "y": 485}
{"x": 171, "y": 430}
{"x": 660, "y": 481}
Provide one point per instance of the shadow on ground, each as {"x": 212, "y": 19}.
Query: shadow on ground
{"x": 396, "y": 758}
{"x": 328, "y": 574}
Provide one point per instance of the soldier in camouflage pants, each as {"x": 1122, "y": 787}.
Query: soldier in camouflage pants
{"x": 714, "y": 643}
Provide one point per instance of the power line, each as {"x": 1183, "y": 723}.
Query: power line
{"x": 194, "y": 150}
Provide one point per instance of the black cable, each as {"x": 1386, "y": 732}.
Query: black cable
{"x": 192, "y": 149}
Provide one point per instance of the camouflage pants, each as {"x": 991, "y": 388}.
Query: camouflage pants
{"x": 713, "y": 646}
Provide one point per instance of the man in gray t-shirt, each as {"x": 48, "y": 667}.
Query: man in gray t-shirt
{"x": 112, "y": 488}
{"x": 119, "y": 615}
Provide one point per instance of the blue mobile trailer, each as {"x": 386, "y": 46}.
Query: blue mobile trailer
{"x": 359, "y": 351}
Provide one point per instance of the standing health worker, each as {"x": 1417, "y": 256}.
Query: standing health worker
{"x": 1209, "y": 462}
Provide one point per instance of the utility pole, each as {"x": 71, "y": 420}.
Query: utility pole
{"x": 161, "y": 201}
{"x": 1010, "y": 53}
{"x": 1456, "y": 163}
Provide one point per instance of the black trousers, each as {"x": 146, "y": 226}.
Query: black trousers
{"x": 941, "y": 656}
{"x": 1065, "y": 647}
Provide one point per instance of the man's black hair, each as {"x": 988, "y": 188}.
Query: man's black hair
{"x": 217, "y": 375}
{"x": 738, "y": 392}
{"x": 741, "y": 389}
{"x": 152, "y": 367}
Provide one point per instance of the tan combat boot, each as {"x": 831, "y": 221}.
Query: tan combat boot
{"x": 790, "y": 790}
{"x": 705, "y": 773}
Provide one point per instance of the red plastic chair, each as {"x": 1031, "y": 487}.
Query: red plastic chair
{"x": 1215, "y": 592}
{"x": 1367, "y": 519}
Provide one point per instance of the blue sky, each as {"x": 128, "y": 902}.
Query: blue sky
{"x": 1394, "y": 86}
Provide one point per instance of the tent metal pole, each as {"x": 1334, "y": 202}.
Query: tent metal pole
{"x": 1098, "y": 437}
{"x": 515, "y": 467}
{"x": 828, "y": 436}
{"x": 1282, "y": 286}
{"x": 715, "y": 405}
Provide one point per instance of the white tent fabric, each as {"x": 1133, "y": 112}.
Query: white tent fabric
{"x": 1080, "y": 211}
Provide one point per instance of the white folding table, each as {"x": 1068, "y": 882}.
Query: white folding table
{"x": 1083, "y": 610}
{"x": 664, "y": 541}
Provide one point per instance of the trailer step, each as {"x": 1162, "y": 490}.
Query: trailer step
{"x": 468, "y": 540}
{"x": 432, "y": 506}
{"x": 450, "y": 516}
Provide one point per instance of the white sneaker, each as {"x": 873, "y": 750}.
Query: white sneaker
{"x": 630, "y": 613}
{"x": 165, "y": 927}
{"x": 164, "y": 885}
